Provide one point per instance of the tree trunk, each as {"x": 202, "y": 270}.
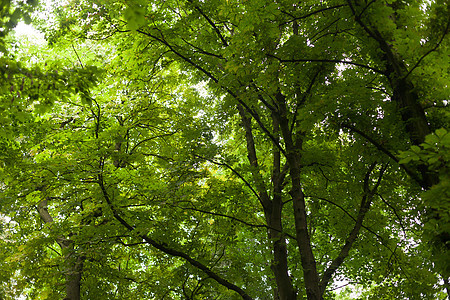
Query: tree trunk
{"x": 73, "y": 272}
{"x": 73, "y": 264}
{"x": 404, "y": 95}
{"x": 308, "y": 261}
{"x": 272, "y": 211}
{"x": 279, "y": 264}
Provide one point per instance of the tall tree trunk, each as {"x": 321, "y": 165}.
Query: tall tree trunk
{"x": 279, "y": 266}
{"x": 404, "y": 95}
{"x": 407, "y": 100}
{"x": 308, "y": 261}
{"x": 73, "y": 270}
{"x": 272, "y": 211}
{"x": 273, "y": 219}
{"x": 73, "y": 264}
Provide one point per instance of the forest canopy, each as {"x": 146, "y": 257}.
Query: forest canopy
{"x": 225, "y": 149}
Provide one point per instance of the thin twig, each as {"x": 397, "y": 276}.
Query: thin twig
{"x": 79, "y": 60}
{"x": 429, "y": 51}
{"x": 232, "y": 170}
{"x": 310, "y": 60}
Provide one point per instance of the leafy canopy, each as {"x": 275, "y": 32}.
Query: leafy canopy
{"x": 226, "y": 149}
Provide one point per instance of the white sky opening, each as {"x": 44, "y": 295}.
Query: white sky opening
{"x": 27, "y": 30}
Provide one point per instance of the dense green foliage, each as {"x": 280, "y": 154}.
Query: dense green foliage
{"x": 226, "y": 149}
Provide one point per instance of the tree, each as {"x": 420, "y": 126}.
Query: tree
{"x": 27, "y": 88}
{"x": 320, "y": 133}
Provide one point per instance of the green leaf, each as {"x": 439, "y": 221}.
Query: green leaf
{"x": 86, "y": 99}
{"x": 441, "y": 132}
{"x": 445, "y": 140}
{"x": 415, "y": 149}
{"x": 135, "y": 17}
{"x": 405, "y": 160}
{"x": 431, "y": 139}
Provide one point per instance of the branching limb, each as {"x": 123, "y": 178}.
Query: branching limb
{"x": 365, "y": 8}
{"x": 200, "y": 50}
{"x": 166, "y": 249}
{"x": 149, "y": 139}
{"x": 73, "y": 263}
{"x": 79, "y": 60}
{"x": 213, "y": 25}
{"x": 311, "y": 13}
{"x": 179, "y": 54}
{"x": 208, "y": 74}
{"x": 236, "y": 219}
{"x": 429, "y": 51}
{"x": 235, "y": 172}
{"x": 302, "y": 100}
{"x": 349, "y": 215}
{"x": 336, "y": 61}
{"x": 47, "y": 218}
{"x": 384, "y": 150}
{"x": 364, "y": 207}
{"x": 360, "y": 22}
{"x": 395, "y": 212}
{"x": 253, "y": 159}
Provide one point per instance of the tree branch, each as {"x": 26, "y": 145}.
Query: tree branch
{"x": 329, "y": 61}
{"x": 302, "y": 100}
{"x": 395, "y": 212}
{"x": 235, "y": 219}
{"x": 200, "y": 50}
{"x": 149, "y": 139}
{"x": 309, "y": 14}
{"x": 234, "y": 171}
{"x": 183, "y": 57}
{"x": 213, "y": 78}
{"x": 79, "y": 60}
{"x": 366, "y": 201}
{"x": 429, "y": 51}
{"x": 360, "y": 22}
{"x": 213, "y": 25}
{"x": 253, "y": 159}
{"x": 168, "y": 250}
{"x": 384, "y": 150}
{"x": 47, "y": 218}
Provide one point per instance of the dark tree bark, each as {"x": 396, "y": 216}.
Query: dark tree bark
{"x": 404, "y": 95}
{"x": 272, "y": 210}
{"x": 73, "y": 276}
{"x": 408, "y": 102}
{"x": 293, "y": 158}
